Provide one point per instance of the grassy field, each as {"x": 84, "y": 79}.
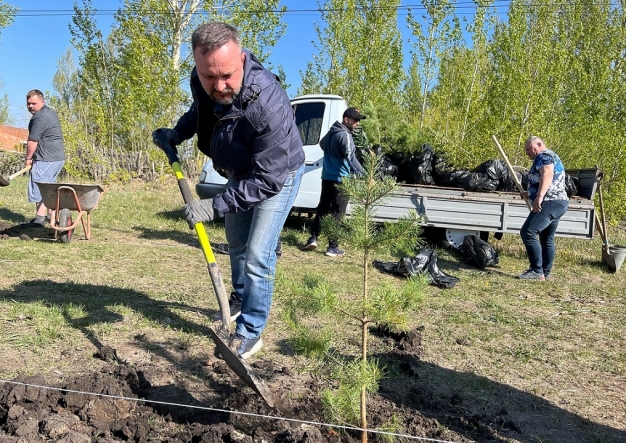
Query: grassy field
{"x": 140, "y": 285}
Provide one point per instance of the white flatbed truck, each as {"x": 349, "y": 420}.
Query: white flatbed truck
{"x": 450, "y": 212}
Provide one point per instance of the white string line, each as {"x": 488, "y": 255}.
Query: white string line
{"x": 314, "y": 423}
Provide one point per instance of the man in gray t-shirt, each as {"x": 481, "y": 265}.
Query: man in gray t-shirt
{"x": 44, "y": 149}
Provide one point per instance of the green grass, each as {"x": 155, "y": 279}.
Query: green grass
{"x": 141, "y": 285}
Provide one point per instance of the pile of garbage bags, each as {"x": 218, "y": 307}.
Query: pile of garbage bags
{"x": 424, "y": 263}
{"x": 427, "y": 167}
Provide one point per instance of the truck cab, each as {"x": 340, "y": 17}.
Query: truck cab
{"x": 315, "y": 114}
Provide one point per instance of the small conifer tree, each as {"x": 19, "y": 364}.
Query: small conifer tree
{"x": 383, "y": 305}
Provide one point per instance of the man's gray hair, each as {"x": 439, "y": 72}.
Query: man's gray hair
{"x": 211, "y": 36}
{"x": 533, "y": 138}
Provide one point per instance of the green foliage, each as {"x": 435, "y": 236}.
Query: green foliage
{"x": 343, "y": 403}
{"x": 359, "y": 52}
{"x": 5, "y": 114}
{"x": 361, "y": 232}
{"x": 441, "y": 32}
{"x": 258, "y": 21}
{"x": 7, "y": 14}
{"x": 392, "y": 133}
{"x": 555, "y": 70}
{"x": 314, "y": 296}
{"x": 395, "y": 307}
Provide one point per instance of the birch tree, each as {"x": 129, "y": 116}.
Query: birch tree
{"x": 432, "y": 39}
{"x": 139, "y": 73}
{"x": 358, "y": 52}
{"x": 7, "y": 14}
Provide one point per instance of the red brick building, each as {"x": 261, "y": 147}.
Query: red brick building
{"x": 12, "y": 138}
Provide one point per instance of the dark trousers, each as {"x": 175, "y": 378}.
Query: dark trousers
{"x": 541, "y": 252}
{"x": 331, "y": 202}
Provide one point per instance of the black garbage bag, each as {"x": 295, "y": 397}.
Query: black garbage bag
{"x": 448, "y": 179}
{"x": 388, "y": 168}
{"x": 424, "y": 173}
{"x": 524, "y": 180}
{"x": 509, "y": 184}
{"x": 407, "y": 165}
{"x": 495, "y": 169}
{"x": 478, "y": 252}
{"x": 425, "y": 262}
{"x": 498, "y": 170}
{"x": 571, "y": 185}
{"x": 441, "y": 170}
{"x": 474, "y": 181}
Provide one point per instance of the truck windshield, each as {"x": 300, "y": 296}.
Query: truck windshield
{"x": 309, "y": 120}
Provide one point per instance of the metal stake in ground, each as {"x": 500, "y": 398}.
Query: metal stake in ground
{"x": 220, "y": 332}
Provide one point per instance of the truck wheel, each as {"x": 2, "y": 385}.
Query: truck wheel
{"x": 65, "y": 220}
{"x": 453, "y": 238}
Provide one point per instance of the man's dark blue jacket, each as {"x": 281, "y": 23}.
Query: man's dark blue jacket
{"x": 255, "y": 140}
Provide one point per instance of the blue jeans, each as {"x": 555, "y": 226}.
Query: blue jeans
{"x": 543, "y": 224}
{"x": 252, "y": 236}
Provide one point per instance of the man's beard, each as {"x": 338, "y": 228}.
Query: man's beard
{"x": 227, "y": 101}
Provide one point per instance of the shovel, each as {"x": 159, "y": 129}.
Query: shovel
{"x": 512, "y": 172}
{"x": 220, "y": 331}
{"x": 6, "y": 181}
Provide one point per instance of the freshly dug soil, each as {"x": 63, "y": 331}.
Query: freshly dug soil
{"x": 32, "y": 412}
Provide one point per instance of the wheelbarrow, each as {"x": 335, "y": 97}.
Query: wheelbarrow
{"x": 62, "y": 199}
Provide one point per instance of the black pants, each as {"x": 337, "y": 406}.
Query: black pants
{"x": 331, "y": 202}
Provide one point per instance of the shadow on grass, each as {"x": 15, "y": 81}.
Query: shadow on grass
{"x": 186, "y": 238}
{"x": 481, "y": 408}
{"x": 10, "y": 216}
{"x": 96, "y": 301}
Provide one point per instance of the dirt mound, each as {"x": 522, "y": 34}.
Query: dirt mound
{"x": 31, "y": 413}
{"x": 121, "y": 402}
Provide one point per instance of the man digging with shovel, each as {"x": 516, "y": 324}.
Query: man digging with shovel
{"x": 44, "y": 150}
{"x": 245, "y": 123}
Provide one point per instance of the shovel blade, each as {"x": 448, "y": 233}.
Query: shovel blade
{"x": 238, "y": 366}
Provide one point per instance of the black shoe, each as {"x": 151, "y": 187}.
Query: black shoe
{"x": 311, "y": 244}
{"x": 245, "y": 347}
{"x": 235, "y": 308}
{"x": 334, "y": 252}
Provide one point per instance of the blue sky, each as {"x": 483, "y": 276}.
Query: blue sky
{"x": 38, "y": 37}
{"x": 32, "y": 45}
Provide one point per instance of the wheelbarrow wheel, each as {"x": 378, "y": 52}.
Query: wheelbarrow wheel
{"x": 65, "y": 220}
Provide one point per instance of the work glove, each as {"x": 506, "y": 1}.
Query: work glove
{"x": 198, "y": 211}
{"x": 171, "y": 135}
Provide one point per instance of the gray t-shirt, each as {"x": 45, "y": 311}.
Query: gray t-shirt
{"x": 45, "y": 129}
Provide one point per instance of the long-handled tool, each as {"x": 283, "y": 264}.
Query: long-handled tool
{"x": 512, "y": 172}
{"x": 220, "y": 332}
{"x": 607, "y": 258}
{"x": 6, "y": 181}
